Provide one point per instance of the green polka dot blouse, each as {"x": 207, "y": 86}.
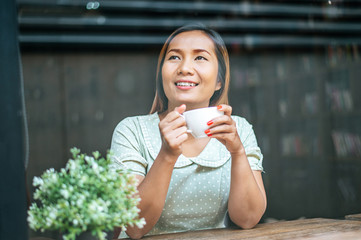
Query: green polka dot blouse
{"x": 199, "y": 188}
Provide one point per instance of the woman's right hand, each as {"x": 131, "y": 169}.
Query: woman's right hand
{"x": 174, "y": 132}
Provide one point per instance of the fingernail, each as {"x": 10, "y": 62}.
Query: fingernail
{"x": 207, "y": 131}
{"x": 210, "y": 123}
{"x": 219, "y": 107}
{"x": 209, "y": 135}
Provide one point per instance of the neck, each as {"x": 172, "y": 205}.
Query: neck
{"x": 189, "y": 106}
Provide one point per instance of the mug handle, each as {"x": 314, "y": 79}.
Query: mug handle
{"x": 188, "y": 130}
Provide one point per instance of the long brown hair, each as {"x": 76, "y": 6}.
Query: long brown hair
{"x": 160, "y": 102}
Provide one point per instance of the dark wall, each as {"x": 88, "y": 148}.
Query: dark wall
{"x": 77, "y": 100}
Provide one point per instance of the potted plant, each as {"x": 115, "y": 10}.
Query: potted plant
{"x": 85, "y": 196}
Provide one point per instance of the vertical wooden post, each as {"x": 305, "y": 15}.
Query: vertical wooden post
{"x": 12, "y": 169}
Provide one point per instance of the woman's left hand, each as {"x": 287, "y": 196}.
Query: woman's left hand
{"x": 224, "y": 129}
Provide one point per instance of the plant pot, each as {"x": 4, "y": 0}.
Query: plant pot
{"x": 88, "y": 236}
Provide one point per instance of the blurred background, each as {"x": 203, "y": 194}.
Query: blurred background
{"x": 295, "y": 75}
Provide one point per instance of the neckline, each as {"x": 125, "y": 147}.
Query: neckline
{"x": 202, "y": 151}
{"x": 219, "y": 155}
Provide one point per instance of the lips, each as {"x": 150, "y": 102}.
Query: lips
{"x": 185, "y": 84}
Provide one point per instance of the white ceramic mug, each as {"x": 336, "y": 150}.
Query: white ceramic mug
{"x": 197, "y": 120}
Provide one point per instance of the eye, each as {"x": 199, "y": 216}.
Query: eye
{"x": 201, "y": 58}
{"x": 174, "y": 57}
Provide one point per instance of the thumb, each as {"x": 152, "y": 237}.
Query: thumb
{"x": 181, "y": 109}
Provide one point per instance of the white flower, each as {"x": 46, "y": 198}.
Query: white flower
{"x": 53, "y": 213}
{"x": 50, "y": 171}
{"x": 90, "y": 160}
{"x": 95, "y": 167}
{"x": 49, "y": 221}
{"x": 79, "y": 202}
{"x": 64, "y": 193}
{"x": 71, "y": 165}
{"x": 75, "y": 222}
{"x": 141, "y": 223}
{"x": 93, "y": 206}
{"x": 54, "y": 178}
{"x": 31, "y": 220}
{"x": 37, "y": 181}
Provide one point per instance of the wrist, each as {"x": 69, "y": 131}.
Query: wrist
{"x": 238, "y": 154}
{"x": 168, "y": 157}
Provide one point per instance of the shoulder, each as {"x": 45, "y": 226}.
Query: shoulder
{"x": 244, "y": 128}
{"x": 241, "y": 122}
{"x": 135, "y": 122}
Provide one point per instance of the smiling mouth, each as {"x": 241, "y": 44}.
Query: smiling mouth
{"x": 186, "y": 84}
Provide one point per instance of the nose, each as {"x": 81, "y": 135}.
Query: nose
{"x": 186, "y": 67}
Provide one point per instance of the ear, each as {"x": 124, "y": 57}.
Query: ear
{"x": 218, "y": 85}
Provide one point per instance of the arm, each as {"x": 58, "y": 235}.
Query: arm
{"x": 247, "y": 198}
{"x": 153, "y": 187}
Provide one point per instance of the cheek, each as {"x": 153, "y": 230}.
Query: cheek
{"x": 211, "y": 68}
{"x": 166, "y": 73}
{"x": 210, "y": 73}
{"x": 166, "y": 79}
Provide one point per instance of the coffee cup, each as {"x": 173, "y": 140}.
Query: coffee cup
{"x": 197, "y": 120}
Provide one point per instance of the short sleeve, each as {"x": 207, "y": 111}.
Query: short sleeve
{"x": 249, "y": 141}
{"x": 127, "y": 148}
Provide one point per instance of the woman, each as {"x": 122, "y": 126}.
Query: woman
{"x": 188, "y": 183}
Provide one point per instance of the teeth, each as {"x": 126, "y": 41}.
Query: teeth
{"x": 185, "y": 84}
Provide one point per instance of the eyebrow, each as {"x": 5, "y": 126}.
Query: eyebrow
{"x": 194, "y": 50}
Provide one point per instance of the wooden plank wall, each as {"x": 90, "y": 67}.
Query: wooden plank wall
{"x": 77, "y": 100}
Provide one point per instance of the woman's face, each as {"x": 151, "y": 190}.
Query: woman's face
{"x": 190, "y": 70}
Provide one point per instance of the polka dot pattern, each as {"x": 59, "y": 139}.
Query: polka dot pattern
{"x": 197, "y": 199}
{"x": 199, "y": 189}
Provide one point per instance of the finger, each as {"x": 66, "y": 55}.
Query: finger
{"x": 181, "y": 109}
{"x": 182, "y": 138}
{"x": 177, "y": 142}
{"x": 225, "y": 108}
{"x": 228, "y": 136}
{"x": 172, "y": 116}
{"x": 169, "y": 127}
{"x": 170, "y": 131}
{"x": 181, "y": 134}
{"x": 224, "y": 138}
{"x": 177, "y": 137}
{"x": 221, "y": 129}
{"x": 179, "y": 131}
{"x": 225, "y": 119}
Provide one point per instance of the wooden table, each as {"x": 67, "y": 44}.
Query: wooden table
{"x": 310, "y": 229}
{"x": 354, "y": 217}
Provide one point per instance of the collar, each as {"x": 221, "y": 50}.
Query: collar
{"x": 213, "y": 155}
